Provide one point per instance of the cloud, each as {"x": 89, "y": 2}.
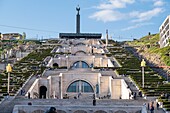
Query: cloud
{"x": 136, "y": 26}
{"x": 107, "y": 15}
{"x": 109, "y": 11}
{"x": 145, "y": 16}
{"x": 113, "y": 4}
{"x": 158, "y": 3}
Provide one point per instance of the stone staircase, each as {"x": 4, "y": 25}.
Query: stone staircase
{"x": 8, "y": 105}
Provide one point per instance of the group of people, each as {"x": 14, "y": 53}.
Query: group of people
{"x": 132, "y": 95}
{"x": 151, "y": 107}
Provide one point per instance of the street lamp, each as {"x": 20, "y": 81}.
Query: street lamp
{"x": 8, "y": 70}
{"x": 143, "y": 64}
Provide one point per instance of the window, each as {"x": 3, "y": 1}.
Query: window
{"x": 80, "y": 64}
{"x": 80, "y": 86}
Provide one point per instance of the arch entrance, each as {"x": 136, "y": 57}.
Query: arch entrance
{"x": 42, "y": 92}
{"x": 80, "y": 64}
{"x": 80, "y": 86}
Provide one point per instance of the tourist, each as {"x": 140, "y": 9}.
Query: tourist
{"x": 135, "y": 95}
{"x": 7, "y": 96}
{"x": 157, "y": 105}
{"x": 152, "y": 109}
{"x": 29, "y": 95}
{"x": 94, "y": 102}
{"x": 21, "y": 92}
{"x": 78, "y": 96}
{"x": 148, "y": 106}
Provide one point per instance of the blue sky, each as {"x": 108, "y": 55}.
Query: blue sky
{"x": 125, "y": 19}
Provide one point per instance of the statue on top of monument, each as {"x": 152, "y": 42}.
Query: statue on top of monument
{"x": 78, "y": 9}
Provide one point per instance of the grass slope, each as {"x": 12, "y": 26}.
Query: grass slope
{"x": 151, "y": 43}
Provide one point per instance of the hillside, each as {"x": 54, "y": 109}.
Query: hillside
{"x": 148, "y": 46}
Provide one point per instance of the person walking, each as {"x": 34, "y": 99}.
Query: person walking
{"x": 148, "y": 107}
{"x": 157, "y": 105}
{"x": 94, "y": 102}
{"x": 152, "y": 109}
{"x": 29, "y": 95}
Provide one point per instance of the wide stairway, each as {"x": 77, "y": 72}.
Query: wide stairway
{"x": 8, "y": 105}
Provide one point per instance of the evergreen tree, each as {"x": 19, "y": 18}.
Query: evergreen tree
{"x": 23, "y": 36}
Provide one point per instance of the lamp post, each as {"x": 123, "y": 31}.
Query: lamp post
{"x": 143, "y": 64}
{"x": 8, "y": 70}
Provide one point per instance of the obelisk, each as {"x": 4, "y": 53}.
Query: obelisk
{"x": 107, "y": 37}
{"x": 78, "y": 20}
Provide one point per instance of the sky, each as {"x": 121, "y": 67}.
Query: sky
{"x": 124, "y": 19}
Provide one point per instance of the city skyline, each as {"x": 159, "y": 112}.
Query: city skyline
{"x": 125, "y": 19}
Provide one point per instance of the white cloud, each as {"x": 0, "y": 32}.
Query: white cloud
{"x": 145, "y": 16}
{"x": 107, "y": 15}
{"x": 113, "y": 4}
{"x": 106, "y": 11}
{"x": 136, "y": 26}
{"x": 158, "y": 3}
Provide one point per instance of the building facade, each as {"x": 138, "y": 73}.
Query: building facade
{"x": 82, "y": 73}
{"x": 11, "y": 36}
{"x": 164, "y": 32}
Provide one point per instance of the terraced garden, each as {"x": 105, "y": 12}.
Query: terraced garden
{"x": 154, "y": 84}
{"x": 22, "y": 70}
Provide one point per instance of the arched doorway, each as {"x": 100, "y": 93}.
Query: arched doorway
{"x": 55, "y": 65}
{"x": 42, "y": 92}
{"x": 80, "y": 86}
{"x": 80, "y": 64}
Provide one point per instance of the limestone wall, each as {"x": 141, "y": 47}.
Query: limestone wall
{"x": 77, "y": 109}
{"x": 34, "y": 89}
{"x": 125, "y": 91}
{"x": 116, "y": 88}
{"x": 67, "y": 79}
{"x": 104, "y": 86}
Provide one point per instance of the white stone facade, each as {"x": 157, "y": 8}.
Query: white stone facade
{"x": 80, "y": 79}
{"x": 165, "y": 32}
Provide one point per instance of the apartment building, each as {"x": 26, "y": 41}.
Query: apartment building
{"x": 11, "y": 36}
{"x": 164, "y": 32}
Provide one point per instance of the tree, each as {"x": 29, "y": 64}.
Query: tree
{"x": 0, "y": 35}
{"x": 149, "y": 33}
{"x": 23, "y": 36}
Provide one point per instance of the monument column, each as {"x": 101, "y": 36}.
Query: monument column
{"x": 106, "y": 37}
{"x": 78, "y": 20}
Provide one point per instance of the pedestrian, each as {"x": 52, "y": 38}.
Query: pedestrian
{"x": 157, "y": 105}
{"x": 29, "y": 95}
{"x": 152, "y": 109}
{"x": 7, "y": 96}
{"x": 94, "y": 102}
{"x": 21, "y": 92}
{"x": 79, "y": 95}
{"x": 148, "y": 106}
{"x": 135, "y": 95}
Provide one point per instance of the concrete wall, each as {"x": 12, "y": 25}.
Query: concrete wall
{"x": 67, "y": 79}
{"x": 77, "y": 109}
{"x": 125, "y": 91}
{"x": 116, "y": 88}
{"x": 104, "y": 86}
{"x": 70, "y": 60}
{"x": 34, "y": 89}
{"x": 57, "y": 85}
